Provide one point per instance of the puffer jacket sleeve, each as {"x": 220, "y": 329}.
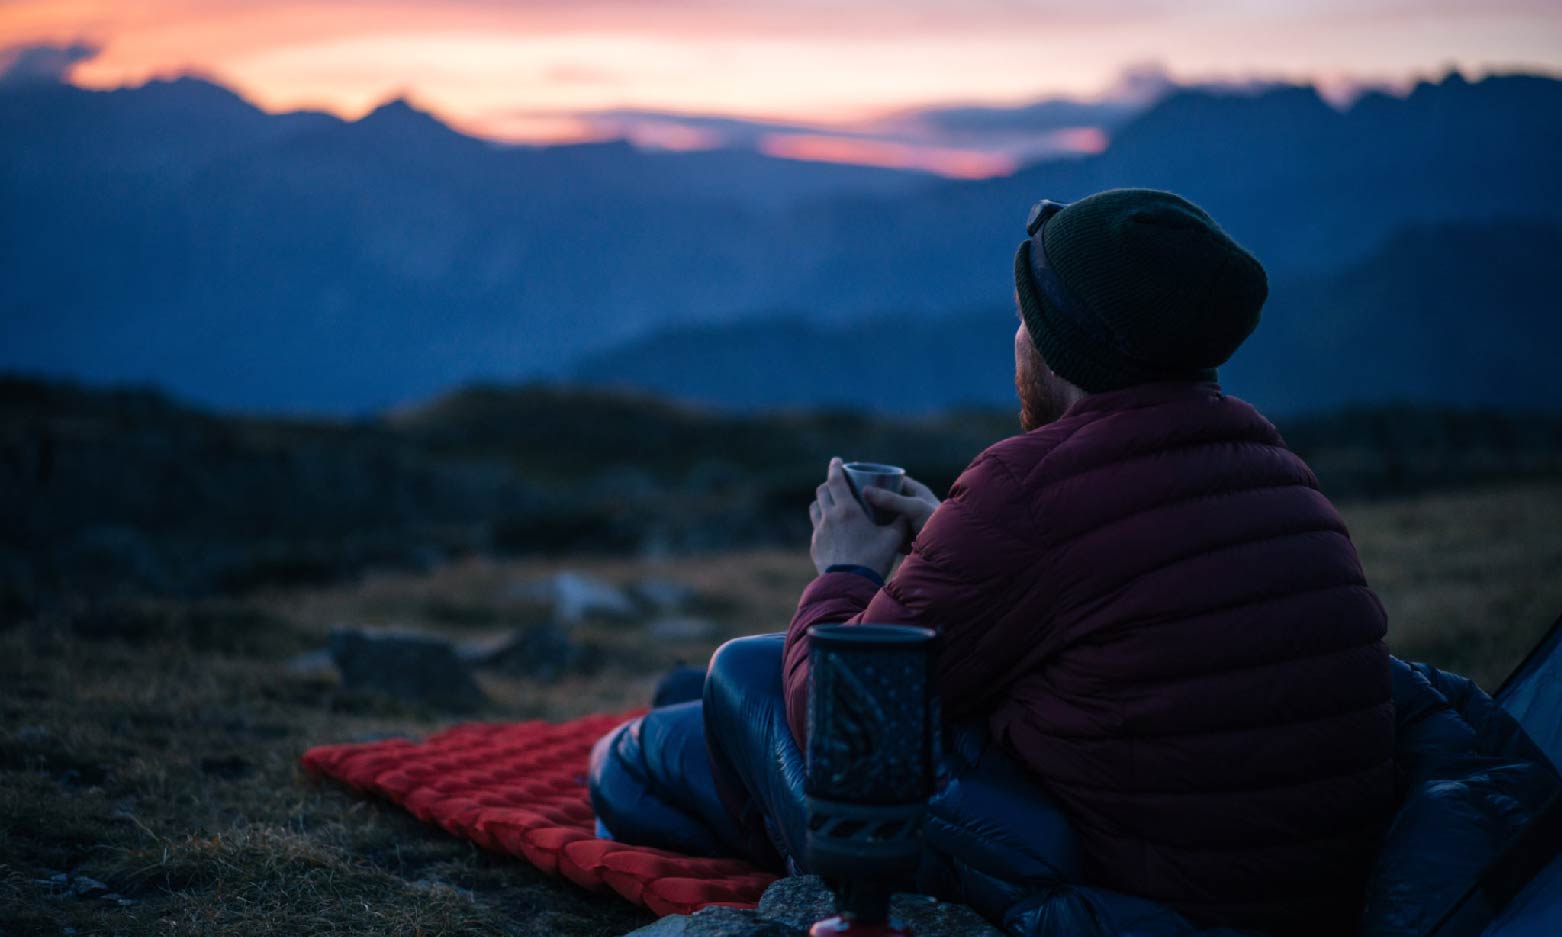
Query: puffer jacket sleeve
{"x": 969, "y": 566}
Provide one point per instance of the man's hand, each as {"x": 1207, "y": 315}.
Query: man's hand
{"x": 916, "y": 503}
{"x": 843, "y": 531}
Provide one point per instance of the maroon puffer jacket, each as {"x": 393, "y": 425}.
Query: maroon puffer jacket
{"x": 1163, "y": 618}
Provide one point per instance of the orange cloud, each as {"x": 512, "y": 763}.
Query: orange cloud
{"x": 817, "y": 62}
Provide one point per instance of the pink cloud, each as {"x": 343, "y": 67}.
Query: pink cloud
{"x": 967, "y": 164}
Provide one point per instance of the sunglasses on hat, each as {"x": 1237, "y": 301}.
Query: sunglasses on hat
{"x": 1040, "y": 213}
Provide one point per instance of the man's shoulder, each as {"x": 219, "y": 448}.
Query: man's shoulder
{"x": 998, "y": 481}
{"x": 1120, "y": 427}
{"x": 1016, "y": 457}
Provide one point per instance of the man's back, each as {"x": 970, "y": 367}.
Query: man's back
{"x": 1164, "y": 620}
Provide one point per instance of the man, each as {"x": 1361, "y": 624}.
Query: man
{"x": 1145, "y": 596}
{"x": 1144, "y": 603}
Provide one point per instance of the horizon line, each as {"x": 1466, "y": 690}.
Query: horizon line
{"x": 833, "y": 143}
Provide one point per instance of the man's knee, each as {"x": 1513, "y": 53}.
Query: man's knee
{"x": 650, "y": 784}
{"x": 743, "y": 668}
{"x": 756, "y": 766}
{"x": 615, "y": 775}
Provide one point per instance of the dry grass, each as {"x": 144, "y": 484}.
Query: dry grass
{"x": 154, "y": 747}
{"x": 1471, "y": 580}
{"x": 171, "y": 775}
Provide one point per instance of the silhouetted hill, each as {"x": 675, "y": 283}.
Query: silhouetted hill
{"x": 174, "y": 234}
{"x": 907, "y": 365}
{"x": 1455, "y": 314}
{"x": 1459, "y": 314}
{"x": 1309, "y": 189}
{"x": 104, "y": 493}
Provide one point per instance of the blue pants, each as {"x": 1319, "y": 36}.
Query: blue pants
{"x": 723, "y": 776}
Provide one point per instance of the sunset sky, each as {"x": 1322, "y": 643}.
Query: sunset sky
{"x": 535, "y": 70}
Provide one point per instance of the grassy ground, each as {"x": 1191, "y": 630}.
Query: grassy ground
{"x": 1470, "y": 580}
{"x": 153, "y": 747}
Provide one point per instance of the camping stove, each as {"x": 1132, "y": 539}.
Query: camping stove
{"x": 872, "y": 735}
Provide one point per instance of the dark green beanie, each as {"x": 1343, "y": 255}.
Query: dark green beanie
{"x": 1143, "y": 286}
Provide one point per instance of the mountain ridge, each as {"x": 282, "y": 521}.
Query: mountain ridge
{"x": 1321, "y": 344}
{"x": 301, "y": 262}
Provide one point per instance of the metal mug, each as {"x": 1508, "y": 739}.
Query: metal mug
{"x": 863, "y": 475}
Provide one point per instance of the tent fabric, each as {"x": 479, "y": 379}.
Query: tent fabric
{"x": 520, "y": 788}
{"x": 1536, "y": 911}
{"x": 1472, "y": 783}
{"x": 1533, "y": 694}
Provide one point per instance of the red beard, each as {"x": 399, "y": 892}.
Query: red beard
{"x": 1040, "y": 404}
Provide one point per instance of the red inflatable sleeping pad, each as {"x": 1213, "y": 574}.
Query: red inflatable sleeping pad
{"x": 520, "y": 788}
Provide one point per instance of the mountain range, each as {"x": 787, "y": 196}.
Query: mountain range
{"x": 174, "y": 234}
{"x": 1446, "y": 314}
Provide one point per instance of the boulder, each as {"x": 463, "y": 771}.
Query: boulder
{"x": 792, "y": 905}
{"x": 717, "y": 922}
{"x": 800, "y": 900}
{"x": 662, "y": 595}
{"x": 111, "y": 560}
{"x": 311, "y": 664}
{"x": 682, "y": 628}
{"x": 576, "y": 597}
{"x": 413, "y": 667}
{"x": 542, "y": 651}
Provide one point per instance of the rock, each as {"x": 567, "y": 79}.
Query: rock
{"x": 311, "y": 664}
{"x": 683, "y": 628}
{"x": 576, "y": 597}
{"x": 792, "y": 905}
{"x": 800, "y": 900}
{"x": 112, "y": 559}
{"x": 542, "y": 651}
{"x": 716, "y": 922}
{"x": 662, "y": 595}
{"x": 413, "y": 667}
{"x": 66, "y": 883}
{"x": 928, "y": 916}
{"x": 228, "y": 767}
